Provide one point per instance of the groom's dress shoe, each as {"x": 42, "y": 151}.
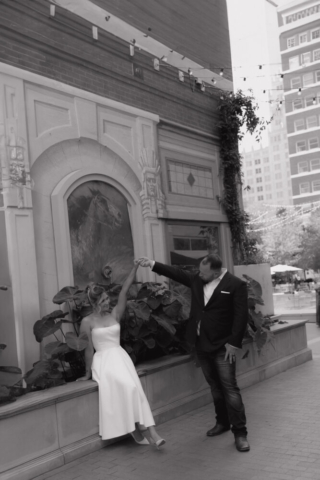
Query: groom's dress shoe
{"x": 242, "y": 444}
{"x": 217, "y": 430}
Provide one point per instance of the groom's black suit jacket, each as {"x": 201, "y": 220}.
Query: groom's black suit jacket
{"x": 223, "y": 319}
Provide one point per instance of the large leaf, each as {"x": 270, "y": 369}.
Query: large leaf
{"x": 149, "y": 342}
{"x": 140, "y": 309}
{"x": 257, "y": 318}
{"x": 173, "y": 309}
{"x": 167, "y": 297}
{"x": 55, "y": 349}
{"x": 154, "y": 302}
{"x": 5, "y": 396}
{"x": 44, "y": 328}
{"x": 54, "y": 315}
{"x": 75, "y": 342}
{"x": 254, "y": 290}
{"x": 65, "y": 294}
{"x": 165, "y": 322}
{"x": 40, "y": 370}
{"x": 10, "y": 376}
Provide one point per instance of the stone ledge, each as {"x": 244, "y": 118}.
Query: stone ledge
{"x": 63, "y": 393}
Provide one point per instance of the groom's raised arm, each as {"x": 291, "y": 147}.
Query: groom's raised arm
{"x": 174, "y": 273}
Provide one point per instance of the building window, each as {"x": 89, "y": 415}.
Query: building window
{"x": 297, "y": 103}
{"x": 266, "y": 169}
{"x": 303, "y": 37}
{"x": 260, "y": 197}
{"x": 258, "y": 170}
{"x": 257, "y": 161}
{"x": 304, "y": 187}
{"x": 301, "y": 146}
{"x": 266, "y": 160}
{"x": 278, "y": 175}
{"x": 185, "y": 179}
{"x": 269, "y": 196}
{"x": 291, "y": 42}
{"x": 259, "y": 179}
{"x": 313, "y": 143}
{"x": 315, "y": 164}
{"x": 312, "y": 122}
{"x": 315, "y": 34}
{"x": 316, "y": 55}
{"x": 277, "y": 166}
{"x": 309, "y": 101}
{"x": 316, "y": 185}
{"x": 306, "y": 58}
{"x": 318, "y": 76}
{"x": 307, "y": 79}
{"x": 303, "y": 167}
{"x": 279, "y": 185}
{"x": 276, "y": 157}
{"x": 249, "y": 163}
{"x": 276, "y": 148}
{"x": 296, "y": 82}
{"x": 267, "y": 178}
{"x": 299, "y": 124}
{"x": 294, "y": 62}
{"x": 249, "y": 172}
{"x": 259, "y": 189}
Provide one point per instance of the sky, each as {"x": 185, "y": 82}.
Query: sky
{"x": 255, "y": 40}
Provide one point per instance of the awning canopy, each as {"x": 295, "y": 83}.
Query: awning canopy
{"x": 283, "y": 268}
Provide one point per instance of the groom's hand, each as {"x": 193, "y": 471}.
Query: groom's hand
{"x": 145, "y": 262}
{"x": 230, "y": 353}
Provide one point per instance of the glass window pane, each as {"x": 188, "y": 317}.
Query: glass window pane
{"x": 198, "y": 244}
{"x": 181, "y": 243}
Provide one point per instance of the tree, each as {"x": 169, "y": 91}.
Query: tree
{"x": 310, "y": 243}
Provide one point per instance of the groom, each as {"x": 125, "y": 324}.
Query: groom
{"x": 217, "y": 323}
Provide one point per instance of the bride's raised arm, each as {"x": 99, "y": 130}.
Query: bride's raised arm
{"x": 119, "y": 309}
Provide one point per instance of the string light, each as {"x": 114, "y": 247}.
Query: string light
{"x": 52, "y": 10}
{"x": 164, "y": 58}
{"x": 244, "y": 79}
{"x": 314, "y": 100}
{"x": 221, "y": 72}
{"x": 299, "y": 91}
{"x": 214, "y": 81}
{"x": 190, "y": 72}
{"x": 94, "y": 32}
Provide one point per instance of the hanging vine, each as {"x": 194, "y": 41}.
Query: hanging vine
{"x": 237, "y": 117}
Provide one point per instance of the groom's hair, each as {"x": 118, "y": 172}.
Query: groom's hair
{"x": 214, "y": 261}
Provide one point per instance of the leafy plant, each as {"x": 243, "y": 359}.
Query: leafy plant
{"x": 154, "y": 320}
{"x": 64, "y": 360}
{"x": 258, "y": 327}
{"x": 10, "y": 382}
{"x": 237, "y": 116}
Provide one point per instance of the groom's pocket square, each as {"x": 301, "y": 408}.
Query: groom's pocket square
{"x": 225, "y": 292}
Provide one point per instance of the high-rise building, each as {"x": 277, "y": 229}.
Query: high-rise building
{"x": 299, "y": 28}
{"x": 267, "y": 170}
{"x": 266, "y": 166}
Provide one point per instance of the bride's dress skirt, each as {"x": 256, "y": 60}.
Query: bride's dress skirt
{"x": 122, "y": 401}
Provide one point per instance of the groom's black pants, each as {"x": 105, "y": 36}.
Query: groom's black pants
{"x": 221, "y": 376}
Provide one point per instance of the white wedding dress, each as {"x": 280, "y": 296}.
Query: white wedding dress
{"x": 122, "y": 401}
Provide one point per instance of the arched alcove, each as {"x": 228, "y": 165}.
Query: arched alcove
{"x": 61, "y": 170}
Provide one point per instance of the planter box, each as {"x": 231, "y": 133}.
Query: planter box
{"x": 44, "y": 430}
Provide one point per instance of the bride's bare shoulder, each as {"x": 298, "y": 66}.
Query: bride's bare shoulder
{"x": 86, "y": 322}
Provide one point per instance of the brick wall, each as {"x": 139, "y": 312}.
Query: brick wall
{"x": 63, "y": 49}
{"x": 197, "y": 29}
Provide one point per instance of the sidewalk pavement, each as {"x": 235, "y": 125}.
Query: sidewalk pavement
{"x": 283, "y": 425}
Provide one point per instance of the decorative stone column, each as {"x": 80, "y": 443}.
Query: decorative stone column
{"x": 17, "y": 238}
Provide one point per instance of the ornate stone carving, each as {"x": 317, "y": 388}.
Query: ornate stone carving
{"x": 152, "y": 198}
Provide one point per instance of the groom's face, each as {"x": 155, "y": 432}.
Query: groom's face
{"x": 207, "y": 274}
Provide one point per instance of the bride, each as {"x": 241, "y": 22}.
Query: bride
{"x": 123, "y": 406}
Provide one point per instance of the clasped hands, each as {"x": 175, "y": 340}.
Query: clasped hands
{"x": 143, "y": 262}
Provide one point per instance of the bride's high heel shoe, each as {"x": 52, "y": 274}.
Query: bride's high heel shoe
{"x": 151, "y": 441}
{"x": 144, "y": 441}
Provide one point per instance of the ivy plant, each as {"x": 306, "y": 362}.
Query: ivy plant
{"x": 238, "y": 115}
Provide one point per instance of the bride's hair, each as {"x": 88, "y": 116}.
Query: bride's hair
{"x": 96, "y": 294}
